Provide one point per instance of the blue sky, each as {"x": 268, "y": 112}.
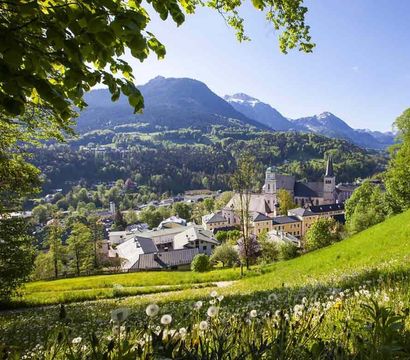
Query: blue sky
{"x": 359, "y": 70}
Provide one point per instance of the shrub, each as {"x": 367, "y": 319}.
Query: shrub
{"x": 288, "y": 251}
{"x": 323, "y": 232}
{"x": 200, "y": 263}
{"x": 225, "y": 254}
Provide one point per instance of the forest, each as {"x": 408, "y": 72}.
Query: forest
{"x": 179, "y": 160}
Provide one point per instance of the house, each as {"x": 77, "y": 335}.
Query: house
{"x": 175, "y": 259}
{"x": 289, "y": 224}
{"x": 173, "y": 221}
{"x": 133, "y": 248}
{"x": 118, "y": 237}
{"x": 260, "y": 223}
{"x": 163, "y": 238}
{"x": 306, "y": 216}
{"x": 196, "y": 237}
{"x": 281, "y": 237}
{"x": 214, "y": 221}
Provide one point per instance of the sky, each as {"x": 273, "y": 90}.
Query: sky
{"x": 359, "y": 69}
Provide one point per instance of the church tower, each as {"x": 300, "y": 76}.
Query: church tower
{"x": 269, "y": 189}
{"x": 329, "y": 183}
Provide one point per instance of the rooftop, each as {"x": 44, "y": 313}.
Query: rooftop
{"x": 164, "y": 260}
{"x": 326, "y": 208}
{"x": 285, "y": 220}
{"x": 213, "y": 218}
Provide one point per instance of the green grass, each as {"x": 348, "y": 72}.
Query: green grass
{"x": 119, "y": 285}
{"x": 386, "y": 242}
{"x": 381, "y": 252}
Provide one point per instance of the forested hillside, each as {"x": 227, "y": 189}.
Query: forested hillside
{"x": 175, "y": 161}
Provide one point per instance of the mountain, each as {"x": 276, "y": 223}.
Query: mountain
{"x": 173, "y": 103}
{"x": 259, "y": 111}
{"x": 330, "y": 125}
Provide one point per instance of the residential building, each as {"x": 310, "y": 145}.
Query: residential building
{"x": 196, "y": 237}
{"x": 133, "y": 248}
{"x": 175, "y": 259}
{"x": 288, "y": 224}
{"x": 214, "y": 221}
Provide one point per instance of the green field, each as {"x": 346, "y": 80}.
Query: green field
{"x": 114, "y": 286}
{"x": 379, "y": 254}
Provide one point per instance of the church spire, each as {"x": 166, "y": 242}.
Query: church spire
{"x": 329, "y": 167}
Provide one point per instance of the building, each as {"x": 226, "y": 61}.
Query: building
{"x": 281, "y": 237}
{"x": 118, "y": 237}
{"x": 163, "y": 238}
{"x": 288, "y": 224}
{"x": 173, "y": 221}
{"x": 214, "y": 221}
{"x": 131, "y": 250}
{"x": 196, "y": 237}
{"x": 304, "y": 194}
{"x": 176, "y": 259}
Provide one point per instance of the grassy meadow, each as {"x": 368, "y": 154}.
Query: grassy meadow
{"x": 357, "y": 280}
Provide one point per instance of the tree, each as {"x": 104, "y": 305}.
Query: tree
{"x": 397, "y": 177}
{"x": 285, "y": 201}
{"x": 367, "y": 206}
{"x": 183, "y": 210}
{"x": 288, "y": 251}
{"x": 269, "y": 251}
{"x": 200, "y": 263}
{"x": 54, "y": 242}
{"x": 225, "y": 254}
{"x": 16, "y": 255}
{"x": 150, "y": 216}
{"x": 223, "y": 199}
{"x": 323, "y": 232}
{"x": 119, "y": 222}
{"x": 80, "y": 248}
{"x": 47, "y": 47}
{"x": 244, "y": 183}
{"x": 209, "y": 205}
{"x": 97, "y": 235}
{"x": 249, "y": 250}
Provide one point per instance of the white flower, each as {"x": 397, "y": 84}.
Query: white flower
{"x": 212, "y": 311}
{"x": 220, "y": 297}
{"x": 77, "y": 340}
{"x": 120, "y": 315}
{"x": 214, "y": 294}
{"x": 203, "y": 325}
{"x": 152, "y": 310}
{"x": 253, "y": 313}
{"x": 198, "y": 305}
{"x": 273, "y": 297}
{"x": 166, "y": 319}
{"x": 182, "y": 331}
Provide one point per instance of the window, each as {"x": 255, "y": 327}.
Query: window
{"x": 204, "y": 247}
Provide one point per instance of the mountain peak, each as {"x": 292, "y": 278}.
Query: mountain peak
{"x": 325, "y": 114}
{"x": 240, "y": 96}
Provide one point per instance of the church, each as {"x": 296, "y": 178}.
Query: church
{"x": 305, "y": 194}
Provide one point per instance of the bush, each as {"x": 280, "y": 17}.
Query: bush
{"x": 225, "y": 254}
{"x": 288, "y": 251}
{"x": 323, "y": 232}
{"x": 200, "y": 263}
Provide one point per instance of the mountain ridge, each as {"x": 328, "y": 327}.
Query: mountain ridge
{"x": 175, "y": 103}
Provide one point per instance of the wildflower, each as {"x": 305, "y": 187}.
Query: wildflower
{"x": 203, "y": 325}
{"x": 182, "y": 331}
{"x": 272, "y": 297}
{"x": 152, "y": 310}
{"x": 120, "y": 315}
{"x": 220, "y": 298}
{"x": 166, "y": 319}
{"x": 214, "y": 294}
{"x": 77, "y": 340}
{"x": 212, "y": 311}
{"x": 198, "y": 305}
{"x": 253, "y": 313}
{"x": 212, "y": 302}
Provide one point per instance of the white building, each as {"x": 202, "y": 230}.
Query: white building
{"x": 196, "y": 237}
